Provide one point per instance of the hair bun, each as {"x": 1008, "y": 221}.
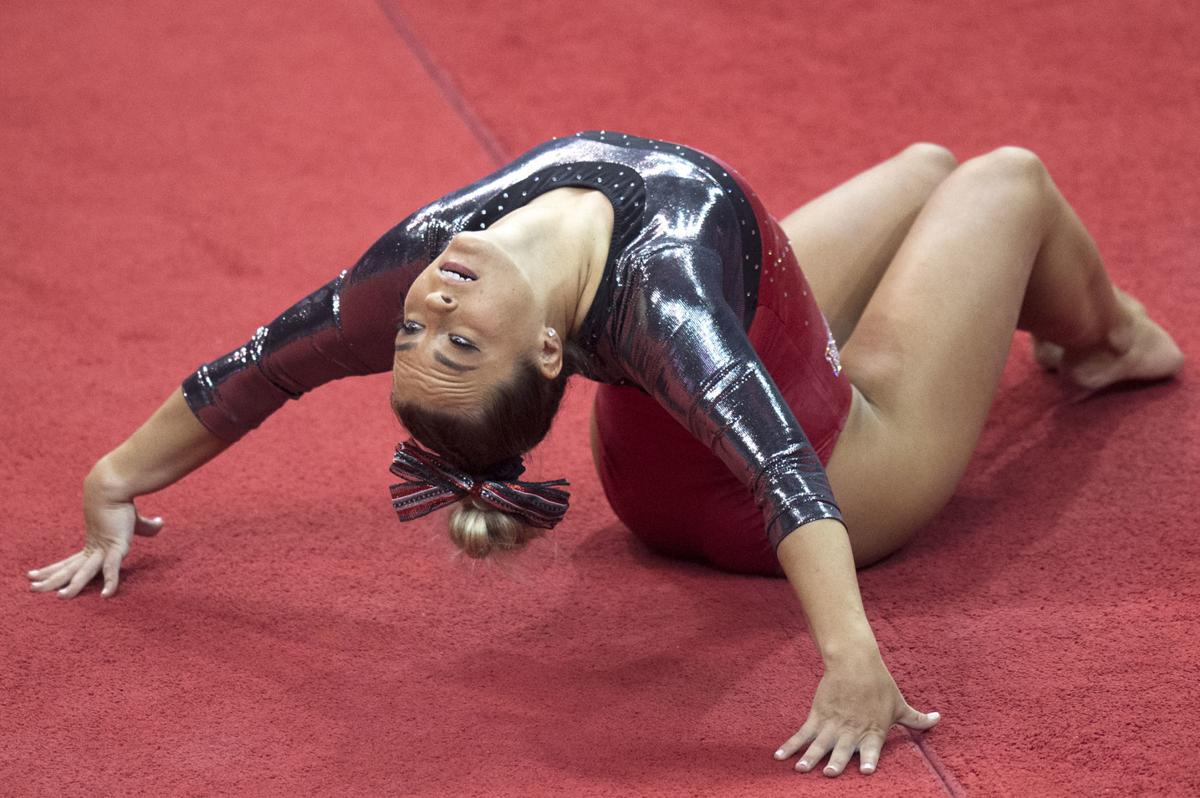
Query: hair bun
{"x": 479, "y": 529}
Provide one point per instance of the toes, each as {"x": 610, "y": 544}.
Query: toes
{"x": 1152, "y": 355}
{"x": 1049, "y": 356}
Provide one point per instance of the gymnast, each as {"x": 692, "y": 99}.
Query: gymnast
{"x": 738, "y": 395}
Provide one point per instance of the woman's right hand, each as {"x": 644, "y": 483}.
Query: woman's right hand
{"x": 111, "y": 521}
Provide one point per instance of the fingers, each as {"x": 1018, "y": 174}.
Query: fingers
{"x": 84, "y": 575}
{"x": 56, "y": 579}
{"x": 77, "y": 570}
{"x": 816, "y": 752}
{"x": 112, "y": 571}
{"x": 797, "y": 741}
{"x": 869, "y": 751}
{"x": 846, "y": 745}
{"x": 869, "y": 745}
{"x": 922, "y": 721}
{"x": 148, "y": 527}
{"x": 40, "y": 574}
{"x": 840, "y": 740}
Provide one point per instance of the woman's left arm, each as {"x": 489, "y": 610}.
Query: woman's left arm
{"x": 692, "y": 354}
{"x": 857, "y": 700}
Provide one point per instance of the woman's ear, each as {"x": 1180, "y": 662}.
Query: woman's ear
{"x": 550, "y": 359}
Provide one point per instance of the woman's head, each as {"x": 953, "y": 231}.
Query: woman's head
{"x": 479, "y": 374}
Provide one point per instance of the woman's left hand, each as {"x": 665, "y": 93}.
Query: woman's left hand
{"x": 856, "y": 702}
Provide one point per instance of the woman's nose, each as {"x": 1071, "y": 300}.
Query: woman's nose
{"x": 439, "y": 301}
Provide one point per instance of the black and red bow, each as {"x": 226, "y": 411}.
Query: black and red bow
{"x": 431, "y": 483}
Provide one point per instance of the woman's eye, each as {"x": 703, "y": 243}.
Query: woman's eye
{"x": 412, "y": 328}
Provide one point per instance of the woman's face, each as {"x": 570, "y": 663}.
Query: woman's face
{"x": 468, "y": 319}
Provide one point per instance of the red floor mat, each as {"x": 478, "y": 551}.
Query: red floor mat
{"x": 175, "y": 174}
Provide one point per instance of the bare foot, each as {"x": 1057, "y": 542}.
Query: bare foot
{"x": 1138, "y": 349}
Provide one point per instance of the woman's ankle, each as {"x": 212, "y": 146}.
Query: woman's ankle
{"x": 1121, "y": 332}
{"x": 1114, "y": 335}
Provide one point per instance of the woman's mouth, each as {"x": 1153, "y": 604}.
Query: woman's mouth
{"x": 456, "y": 271}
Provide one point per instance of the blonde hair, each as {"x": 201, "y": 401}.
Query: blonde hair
{"x": 479, "y": 529}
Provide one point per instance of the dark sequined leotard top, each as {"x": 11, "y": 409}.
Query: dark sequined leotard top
{"x": 670, "y": 316}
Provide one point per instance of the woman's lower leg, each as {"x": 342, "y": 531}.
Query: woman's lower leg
{"x": 1069, "y": 298}
{"x": 1100, "y": 334}
{"x": 994, "y": 245}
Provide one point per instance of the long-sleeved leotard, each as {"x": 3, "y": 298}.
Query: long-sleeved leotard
{"x": 671, "y": 316}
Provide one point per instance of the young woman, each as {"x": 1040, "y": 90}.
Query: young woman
{"x": 739, "y": 395}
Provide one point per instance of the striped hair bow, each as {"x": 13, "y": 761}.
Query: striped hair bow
{"x": 429, "y": 483}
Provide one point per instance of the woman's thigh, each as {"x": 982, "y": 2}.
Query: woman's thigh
{"x": 929, "y": 350}
{"x": 844, "y": 239}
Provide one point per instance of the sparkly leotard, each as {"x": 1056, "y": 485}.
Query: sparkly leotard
{"x": 691, "y": 251}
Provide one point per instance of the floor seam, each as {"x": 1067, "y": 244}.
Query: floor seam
{"x": 950, "y": 784}
{"x": 940, "y": 772}
{"x": 441, "y": 79}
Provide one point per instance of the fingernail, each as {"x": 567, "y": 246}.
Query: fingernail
{"x": 779, "y": 754}
{"x": 830, "y": 772}
{"x": 803, "y": 765}
{"x": 868, "y": 768}
{"x": 934, "y": 715}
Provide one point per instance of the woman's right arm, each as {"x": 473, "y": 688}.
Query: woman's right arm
{"x": 169, "y": 446}
{"x": 345, "y": 327}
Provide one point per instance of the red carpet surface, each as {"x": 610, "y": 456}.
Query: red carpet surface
{"x": 174, "y": 174}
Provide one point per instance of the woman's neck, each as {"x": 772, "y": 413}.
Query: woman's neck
{"x": 561, "y": 242}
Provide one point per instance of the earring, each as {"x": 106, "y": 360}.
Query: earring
{"x": 551, "y": 332}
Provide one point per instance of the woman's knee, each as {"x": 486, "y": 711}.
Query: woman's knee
{"x": 1015, "y": 165}
{"x": 933, "y": 160}
{"x": 1008, "y": 181}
